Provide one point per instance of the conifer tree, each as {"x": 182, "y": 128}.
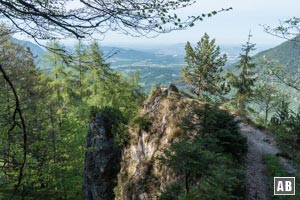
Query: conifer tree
{"x": 56, "y": 61}
{"x": 99, "y": 78}
{"x": 204, "y": 66}
{"x": 245, "y": 80}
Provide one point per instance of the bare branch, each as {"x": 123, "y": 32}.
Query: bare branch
{"x": 17, "y": 112}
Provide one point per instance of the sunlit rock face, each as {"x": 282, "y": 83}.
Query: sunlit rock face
{"x": 142, "y": 175}
{"x": 135, "y": 172}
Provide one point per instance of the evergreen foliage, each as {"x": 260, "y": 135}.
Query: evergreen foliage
{"x": 285, "y": 123}
{"x": 172, "y": 192}
{"x": 189, "y": 159}
{"x": 57, "y": 105}
{"x": 204, "y": 66}
{"x": 205, "y": 158}
{"x": 218, "y": 128}
{"x": 244, "y": 81}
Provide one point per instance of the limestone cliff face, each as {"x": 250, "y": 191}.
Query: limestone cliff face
{"x": 135, "y": 172}
{"x": 142, "y": 176}
{"x": 102, "y": 161}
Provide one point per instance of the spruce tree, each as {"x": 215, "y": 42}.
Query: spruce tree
{"x": 245, "y": 79}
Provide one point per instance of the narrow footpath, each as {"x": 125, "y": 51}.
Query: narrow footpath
{"x": 259, "y": 144}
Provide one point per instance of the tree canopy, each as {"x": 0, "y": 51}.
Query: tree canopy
{"x": 44, "y": 117}
{"x": 288, "y": 29}
{"x": 244, "y": 81}
{"x": 204, "y": 66}
{"x": 47, "y": 19}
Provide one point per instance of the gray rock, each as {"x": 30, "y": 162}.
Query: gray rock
{"x": 172, "y": 88}
{"x": 102, "y": 161}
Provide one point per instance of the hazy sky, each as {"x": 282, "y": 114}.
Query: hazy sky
{"x": 230, "y": 27}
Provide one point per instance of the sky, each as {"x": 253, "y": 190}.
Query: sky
{"x": 230, "y": 27}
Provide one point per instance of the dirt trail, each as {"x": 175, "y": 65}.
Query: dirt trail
{"x": 259, "y": 144}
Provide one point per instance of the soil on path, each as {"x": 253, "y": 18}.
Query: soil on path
{"x": 259, "y": 144}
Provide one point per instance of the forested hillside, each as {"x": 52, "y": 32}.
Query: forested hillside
{"x": 156, "y": 67}
{"x": 46, "y": 111}
{"x": 187, "y": 120}
{"x": 52, "y": 115}
{"x": 286, "y": 54}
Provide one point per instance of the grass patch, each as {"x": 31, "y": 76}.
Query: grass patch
{"x": 274, "y": 169}
{"x": 273, "y": 165}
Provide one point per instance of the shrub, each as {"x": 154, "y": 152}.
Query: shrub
{"x": 209, "y": 160}
{"x": 141, "y": 122}
{"x": 219, "y": 125}
{"x": 114, "y": 122}
{"x": 172, "y": 192}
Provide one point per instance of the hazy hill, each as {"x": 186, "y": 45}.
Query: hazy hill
{"x": 286, "y": 54}
{"x": 157, "y": 64}
{"x": 36, "y": 50}
{"x": 124, "y": 57}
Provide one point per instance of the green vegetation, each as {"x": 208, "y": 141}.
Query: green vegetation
{"x": 150, "y": 74}
{"x": 266, "y": 98}
{"x": 274, "y": 169}
{"x": 207, "y": 159}
{"x": 44, "y": 113}
{"x": 189, "y": 159}
{"x": 285, "y": 124}
{"x": 56, "y": 107}
{"x": 285, "y": 54}
{"x": 172, "y": 192}
{"x": 58, "y": 20}
{"x": 244, "y": 81}
{"x": 115, "y": 122}
{"x": 141, "y": 123}
{"x": 204, "y": 66}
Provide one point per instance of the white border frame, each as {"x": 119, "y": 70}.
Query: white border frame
{"x": 285, "y": 194}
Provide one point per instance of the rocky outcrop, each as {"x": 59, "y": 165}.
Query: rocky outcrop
{"x": 102, "y": 161}
{"x": 142, "y": 176}
{"x": 172, "y": 88}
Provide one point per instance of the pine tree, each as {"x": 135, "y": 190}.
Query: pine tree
{"x": 189, "y": 159}
{"x": 80, "y": 67}
{"x": 57, "y": 109}
{"x": 204, "y": 66}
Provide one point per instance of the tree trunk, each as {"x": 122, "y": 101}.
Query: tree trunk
{"x": 187, "y": 181}
{"x": 266, "y": 115}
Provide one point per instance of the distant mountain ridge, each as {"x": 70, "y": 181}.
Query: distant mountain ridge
{"x": 155, "y": 68}
{"x": 36, "y": 50}
{"x": 157, "y": 65}
{"x": 286, "y": 54}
